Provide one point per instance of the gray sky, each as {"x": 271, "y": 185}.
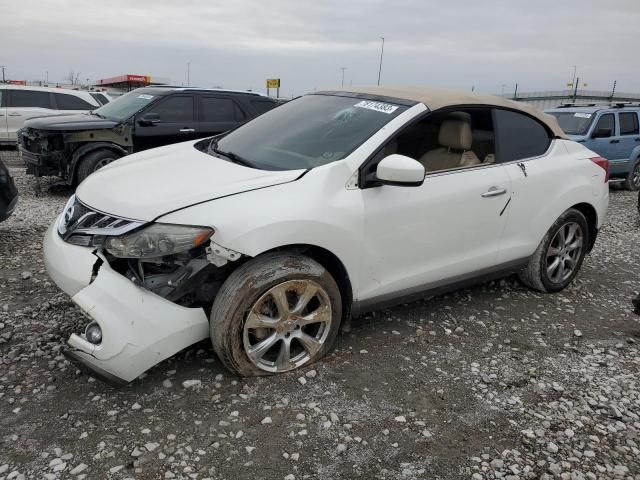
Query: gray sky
{"x": 240, "y": 43}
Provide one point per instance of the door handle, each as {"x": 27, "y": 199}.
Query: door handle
{"x": 614, "y": 141}
{"x": 14, "y": 114}
{"x": 494, "y": 192}
{"x": 187, "y": 130}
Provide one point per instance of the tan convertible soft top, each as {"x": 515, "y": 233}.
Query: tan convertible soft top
{"x": 435, "y": 99}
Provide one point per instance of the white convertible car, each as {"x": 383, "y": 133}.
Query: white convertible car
{"x": 267, "y": 238}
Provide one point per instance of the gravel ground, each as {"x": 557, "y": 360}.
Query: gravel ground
{"x": 490, "y": 382}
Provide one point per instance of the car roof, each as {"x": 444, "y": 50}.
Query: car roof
{"x": 167, "y": 88}
{"x": 592, "y": 108}
{"x": 436, "y": 99}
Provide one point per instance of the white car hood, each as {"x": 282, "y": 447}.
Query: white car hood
{"x": 148, "y": 184}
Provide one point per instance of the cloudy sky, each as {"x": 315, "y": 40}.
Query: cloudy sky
{"x": 489, "y": 44}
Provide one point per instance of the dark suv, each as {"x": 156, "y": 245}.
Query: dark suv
{"x": 74, "y": 146}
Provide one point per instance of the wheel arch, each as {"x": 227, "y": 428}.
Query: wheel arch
{"x": 332, "y": 264}
{"x": 82, "y": 150}
{"x": 591, "y": 215}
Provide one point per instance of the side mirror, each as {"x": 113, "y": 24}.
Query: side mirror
{"x": 400, "y": 171}
{"x": 149, "y": 119}
{"x": 601, "y": 133}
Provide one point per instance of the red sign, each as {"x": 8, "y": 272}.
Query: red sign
{"x": 17, "y": 82}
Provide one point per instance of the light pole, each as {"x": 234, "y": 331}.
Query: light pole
{"x": 343, "y": 69}
{"x": 381, "y": 53}
{"x": 188, "y": 74}
{"x": 3, "y": 67}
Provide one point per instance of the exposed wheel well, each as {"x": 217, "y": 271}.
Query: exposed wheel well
{"x": 592, "y": 221}
{"x": 87, "y": 148}
{"x": 333, "y": 265}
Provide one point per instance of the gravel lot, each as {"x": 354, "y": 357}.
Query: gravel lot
{"x": 490, "y": 382}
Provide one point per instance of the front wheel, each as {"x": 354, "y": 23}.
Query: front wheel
{"x": 632, "y": 182}
{"x": 94, "y": 161}
{"x": 275, "y": 313}
{"x": 558, "y": 258}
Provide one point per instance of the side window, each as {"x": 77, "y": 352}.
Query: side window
{"x": 519, "y": 136}
{"x": 606, "y": 122}
{"x": 628, "y": 123}
{"x": 2, "y": 98}
{"x": 100, "y": 98}
{"x": 218, "y": 109}
{"x": 263, "y": 106}
{"x": 443, "y": 140}
{"x": 71, "y": 102}
{"x": 174, "y": 109}
{"x": 29, "y": 98}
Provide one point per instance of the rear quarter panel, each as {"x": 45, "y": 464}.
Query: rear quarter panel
{"x": 561, "y": 179}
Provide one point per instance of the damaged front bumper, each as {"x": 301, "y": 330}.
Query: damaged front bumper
{"x": 139, "y": 328}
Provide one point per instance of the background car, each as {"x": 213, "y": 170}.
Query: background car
{"x": 18, "y": 104}
{"x": 73, "y": 147}
{"x": 612, "y": 131}
{"x": 334, "y": 204}
{"x": 8, "y": 193}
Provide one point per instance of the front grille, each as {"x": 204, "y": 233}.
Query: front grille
{"x": 80, "y": 224}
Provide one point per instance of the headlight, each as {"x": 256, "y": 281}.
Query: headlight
{"x": 157, "y": 240}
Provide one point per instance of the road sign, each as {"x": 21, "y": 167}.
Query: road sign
{"x": 273, "y": 83}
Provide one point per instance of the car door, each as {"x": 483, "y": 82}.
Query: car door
{"x": 445, "y": 230}
{"x": 23, "y": 105}
{"x": 174, "y": 121}
{"x": 606, "y": 145}
{"x": 4, "y": 133}
{"x": 540, "y": 170}
{"x": 629, "y": 136}
{"x": 218, "y": 114}
{"x": 67, "y": 103}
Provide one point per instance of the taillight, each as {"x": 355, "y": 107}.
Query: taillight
{"x": 604, "y": 164}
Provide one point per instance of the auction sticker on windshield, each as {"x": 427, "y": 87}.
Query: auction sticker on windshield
{"x": 377, "y": 106}
{"x": 582, "y": 115}
{"x": 145, "y": 96}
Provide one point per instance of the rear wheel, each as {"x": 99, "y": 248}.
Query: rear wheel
{"x": 632, "y": 182}
{"x": 274, "y": 314}
{"x": 558, "y": 258}
{"x": 94, "y": 161}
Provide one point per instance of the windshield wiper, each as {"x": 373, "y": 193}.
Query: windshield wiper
{"x": 234, "y": 157}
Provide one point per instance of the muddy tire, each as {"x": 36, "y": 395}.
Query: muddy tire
{"x": 275, "y": 313}
{"x": 558, "y": 258}
{"x": 94, "y": 161}
{"x": 632, "y": 182}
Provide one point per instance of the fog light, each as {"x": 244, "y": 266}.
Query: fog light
{"x": 93, "y": 333}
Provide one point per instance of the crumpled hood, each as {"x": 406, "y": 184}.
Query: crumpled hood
{"x": 70, "y": 122}
{"x": 146, "y": 185}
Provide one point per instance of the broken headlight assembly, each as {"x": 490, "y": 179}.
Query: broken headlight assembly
{"x": 157, "y": 240}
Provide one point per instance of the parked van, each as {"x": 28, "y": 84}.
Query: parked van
{"x": 18, "y": 103}
{"x": 610, "y": 130}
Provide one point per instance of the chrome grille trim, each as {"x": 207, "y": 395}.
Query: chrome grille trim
{"x": 78, "y": 219}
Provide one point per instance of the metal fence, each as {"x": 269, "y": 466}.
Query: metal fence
{"x": 553, "y": 98}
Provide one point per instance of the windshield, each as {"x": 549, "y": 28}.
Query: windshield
{"x": 307, "y": 132}
{"x": 574, "y": 123}
{"x": 123, "y": 107}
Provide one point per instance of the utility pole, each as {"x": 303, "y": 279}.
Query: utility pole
{"x": 573, "y": 80}
{"x": 515, "y": 92}
{"x": 188, "y": 74}
{"x": 575, "y": 89}
{"x": 3, "y": 67}
{"x": 343, "y": 69}
{"x": 381, "y": 53}
{"x": 613, "y": 90}
{"x": 47, "y": 76}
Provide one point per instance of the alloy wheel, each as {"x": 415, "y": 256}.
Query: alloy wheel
{"x": 635, "y": 176}
{"x": 564, "y": 252}
{"x": 287, "y": 326}
{"x": 103, "y": 162}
